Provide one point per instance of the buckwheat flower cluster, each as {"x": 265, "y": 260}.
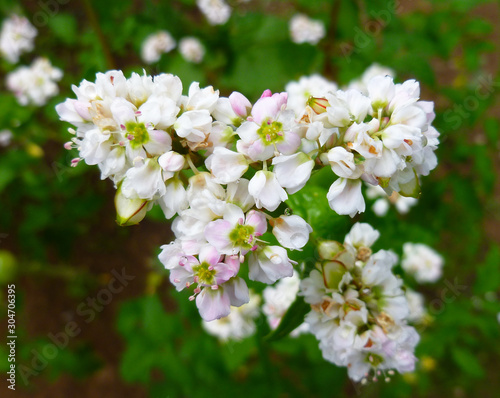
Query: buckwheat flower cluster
{"x": 423, "y": 262}
{"x": 219, "y": 229}
{"x": 277, "y": 300}
{"x": 16, "y": 37}
{"x": 155, "y": 45}
{"x": 239, "y": 324}
{"x": 384, "y": 138}
{"x": 358, "y": 310}
{"x": 141, "y": 132}
{"x": 217, "y": 12}
{"x": 306, "y": 30}
{"x": 35, "y": 84}
{"x": 149, "y": 139}
{"x": 383, "y": 201}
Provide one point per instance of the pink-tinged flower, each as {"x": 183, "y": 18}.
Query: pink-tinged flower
{"x": 216, "y": 304}
{"x": 207, "y": 271}
{"x": 235, "y": 232}
{"x": 268, "y": 264}
{"x": 270, "y": 129}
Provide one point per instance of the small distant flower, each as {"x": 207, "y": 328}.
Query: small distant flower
{"x": 423, "y": 262}
{"x": 216, "y": 11}
{"x": 239, "y": 324}
{"x": 5, "y": 137}
{"x": 155, "y": 45}
{"x": 306, "y": 30}
{"x": 16, "y": 37}
{"x": 34, "y": 84}
{"x": 383, "y": 202}
{"x": 191, "y": 49}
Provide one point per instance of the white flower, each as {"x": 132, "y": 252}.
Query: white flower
{"x": 266, "y": 190}
{"x": 372, "y": 71}
{"x": 144, "y": 180}
{"x": 361, "y": 235}
{"x": 293, "y": 171}
{"x": 306, "y": 30}
{"x": 292, "y": 232}
{"x": 34, "y": 84}
{"x": 345, "y": 197}
{"x": 16, "y": 37}
{"x": 226, "y": 166}
{"x": 191, "y": 49}
{"x": 424, "y": 263}
{"x": 216, "y": 11}
{"x": 342, "y": 163}
{"x": 155, "y": 45}
{"x": 268, "y": 264}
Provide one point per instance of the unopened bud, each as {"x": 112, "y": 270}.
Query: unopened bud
{"x": 318, "y": 105}
{"x": 328, "y": 249}
{"x": 129, "y": 211}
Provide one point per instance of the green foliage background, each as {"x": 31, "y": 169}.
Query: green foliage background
{"x": 57, "y": 221}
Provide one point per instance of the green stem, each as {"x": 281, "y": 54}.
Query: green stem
{"x": 94, "y": 22}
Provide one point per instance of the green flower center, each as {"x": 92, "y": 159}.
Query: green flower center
{"x": 242, "y": 236}
{"x": 374, "y": 359}
{"x": 139, "y": 133}
{"x": 204, "y": 274}
{"x": 271, "y": 132}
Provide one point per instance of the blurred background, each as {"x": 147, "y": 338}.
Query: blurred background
{"x": 61, "y": 247}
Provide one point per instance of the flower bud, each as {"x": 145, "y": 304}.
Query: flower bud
{"x": 171, "y": 161}
{"x": 129, "y": 211}
{"x": 329, "y": 249}
{"x": 318, "y": 105}
{"x": 240, "y": 104}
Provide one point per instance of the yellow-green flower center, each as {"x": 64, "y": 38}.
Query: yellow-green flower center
{"x": 242, "y": 236}
{"x": 374, "y": 359}
{"x": 139, "y": 133}
{"x": 271, "y": 132}
{"x": 205, "y": 275}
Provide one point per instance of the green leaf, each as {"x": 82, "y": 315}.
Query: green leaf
{"x": 488, "y": 274}
{"x": 467, "y": 362}
{"x": 293, "y": 318}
